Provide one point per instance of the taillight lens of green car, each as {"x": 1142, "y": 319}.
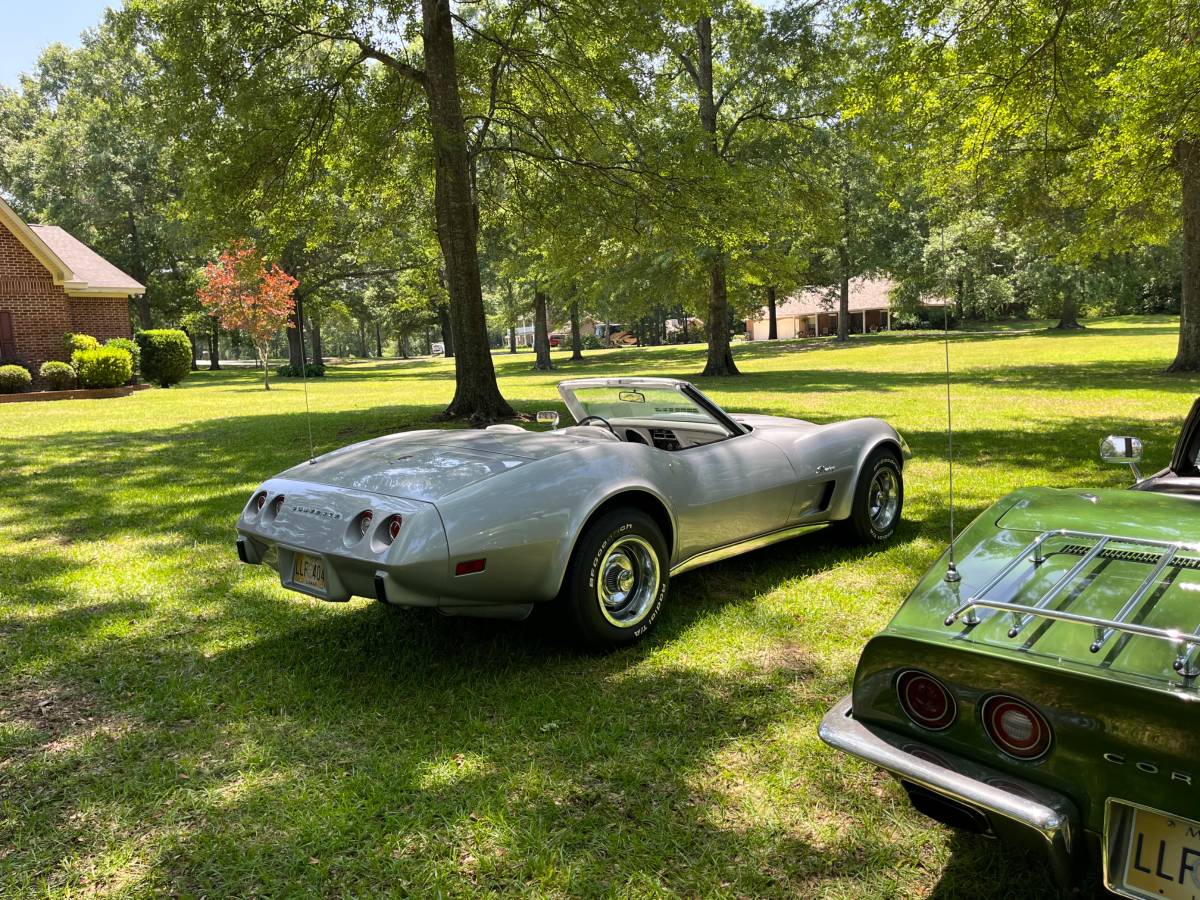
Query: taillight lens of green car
{"x": 925, "y": 700}
{"x": 1016, "y": 727}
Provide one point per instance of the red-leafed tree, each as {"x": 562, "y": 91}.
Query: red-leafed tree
{"x": 244, "y": 294}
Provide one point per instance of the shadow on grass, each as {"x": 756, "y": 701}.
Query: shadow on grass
{"x": 289, "y": 747}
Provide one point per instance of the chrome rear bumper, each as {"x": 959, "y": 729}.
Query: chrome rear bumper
{"x": 1013, "y": 810}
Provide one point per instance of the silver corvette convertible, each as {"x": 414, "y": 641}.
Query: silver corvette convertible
{"x": 653, "y": 479}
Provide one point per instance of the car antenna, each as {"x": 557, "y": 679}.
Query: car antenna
{"x": 304, "y": 378}
{"x": 952, "y": 575}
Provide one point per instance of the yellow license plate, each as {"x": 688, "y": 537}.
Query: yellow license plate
{"x": 309, "y": 571}
{"x": 1162, "y": 858}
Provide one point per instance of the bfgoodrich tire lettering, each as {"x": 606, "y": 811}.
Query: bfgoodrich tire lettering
{"x": 878, "y": 500}
{"x": 617, "y": 579}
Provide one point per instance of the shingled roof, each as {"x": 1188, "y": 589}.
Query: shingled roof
{"x": 81, "y": 271}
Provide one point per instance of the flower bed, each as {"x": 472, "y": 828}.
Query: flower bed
{"x": 76, "y": 394}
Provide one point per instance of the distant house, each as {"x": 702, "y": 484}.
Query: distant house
{"x": 51, "y": 283}
{"x": 813, "y": 312}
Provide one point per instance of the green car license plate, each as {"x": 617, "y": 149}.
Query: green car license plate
{"x": 309, "y": 571}
{"x": 1161, "y": 857}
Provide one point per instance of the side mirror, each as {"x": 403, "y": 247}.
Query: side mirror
{"x": 547, "y": 417}
{"x": 1125, "y": 451}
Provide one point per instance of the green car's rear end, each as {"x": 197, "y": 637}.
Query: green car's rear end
{"x": 1050, "y": 697}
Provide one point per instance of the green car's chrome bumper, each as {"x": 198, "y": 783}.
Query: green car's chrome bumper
{"x": 964, "y": 794}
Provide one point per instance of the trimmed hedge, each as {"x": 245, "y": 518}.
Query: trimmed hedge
{"x": 59, "y": 376}
{"x": 166, "y": 355}
{"x": 73, "y": 342}
{"x": 312, "y": 370}
{"x": 14, "y": 379}
{"x": 103, "y": 368}
{"x": 130, "y": 347}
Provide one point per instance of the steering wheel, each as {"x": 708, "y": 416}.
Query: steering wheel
{"x": 586, "y": 420}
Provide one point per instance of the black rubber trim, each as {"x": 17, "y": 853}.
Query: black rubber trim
{"x": 380, "y": 589}
{"x": 241, "y": 548}
{"x": 713, "y": 410}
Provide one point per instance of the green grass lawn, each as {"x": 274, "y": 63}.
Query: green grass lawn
{"x": 174, "y": 722}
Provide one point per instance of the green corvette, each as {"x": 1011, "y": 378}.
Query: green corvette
{"x": 1051, "y": 696}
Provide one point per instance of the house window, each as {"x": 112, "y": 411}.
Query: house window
{"x": 8, "y": 341}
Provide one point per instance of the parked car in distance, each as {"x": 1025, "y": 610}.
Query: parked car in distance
{"x": 654, "y": 479}
{"x": 1050, "y": 696}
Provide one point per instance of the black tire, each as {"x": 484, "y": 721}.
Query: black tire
{"x": 864, "y": 526}
{"x": 627, "y": 546}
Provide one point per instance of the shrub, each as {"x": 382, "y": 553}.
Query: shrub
{"x": 130, "y": 347}
{"x": 73, "y": 342}
{"x": 312, "y": 370}
{"x": 14, "y": 379}
{"x": 59, "y": 376}
{"x": 166, "y": 355}
{"x": 106, "y": 367}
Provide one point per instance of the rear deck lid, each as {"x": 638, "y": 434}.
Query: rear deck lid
{"x": 1106, "y": 556}
{"x": 428, "y": 465}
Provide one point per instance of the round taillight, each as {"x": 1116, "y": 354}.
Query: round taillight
{"x": 393, "y": 528}
{"x": 277, "y": 505}
{"x": 259, "y": 501}
{"x": 926, "y": 700}
{"x": 1016, "y": 727}
{"x": 364, "y": 522}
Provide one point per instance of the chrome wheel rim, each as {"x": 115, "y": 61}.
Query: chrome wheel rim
{"x": 883, "y": 499}
{"x": 627, "y": 581}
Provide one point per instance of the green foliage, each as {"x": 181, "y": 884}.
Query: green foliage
{"x": 59, "y": 376}
{"x": 73, "y": 342}
{"x": 166, "y": 355}
{"x": 106, "y": 367}
{"x": 14, "y": 379}
{"x": 130, "y": 347}
{"x": 311, "y": 370}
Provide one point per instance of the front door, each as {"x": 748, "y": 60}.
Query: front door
{"x": 729, "y": 491}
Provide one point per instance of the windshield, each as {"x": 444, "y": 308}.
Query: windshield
{"x": 623, "y": 403}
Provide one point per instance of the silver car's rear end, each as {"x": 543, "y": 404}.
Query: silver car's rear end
{"x": 335, "y": 543}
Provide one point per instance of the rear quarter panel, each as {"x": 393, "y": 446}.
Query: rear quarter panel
{"x": 525, "y": 522}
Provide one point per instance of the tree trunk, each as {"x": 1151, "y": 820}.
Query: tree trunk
{"x": 1068, "y": 319}
{"x": 476, "y": 394}
{"x": 576, "y": 337}
{"x": 1187, "y": 160}
{"x": 264, "y": 360}
{"x": 214, "y": 344}
{"x": 685, "y": 325}
{"x": 844, "y": 258}
{"x": 720, "y": 356}
{"x": 140, "y": 271}
{"x": 447, "y": 329}
{"x": 378, "y": 342}
{"x": 512, "y": 338}
{"x": 772, "y": 329}
{"x": 541, "y": 333}
{"x": 314, "y": 327}
{"x": 295, "y": 323}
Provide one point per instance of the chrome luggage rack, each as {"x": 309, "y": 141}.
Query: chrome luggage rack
{"x": 1161, "y": 555}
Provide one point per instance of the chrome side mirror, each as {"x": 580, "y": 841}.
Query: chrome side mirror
{"x": 1125, "y": 451}
{"x": 547, "y": 417}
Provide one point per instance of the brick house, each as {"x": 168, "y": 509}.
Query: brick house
{"x": 51, "y": 283}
